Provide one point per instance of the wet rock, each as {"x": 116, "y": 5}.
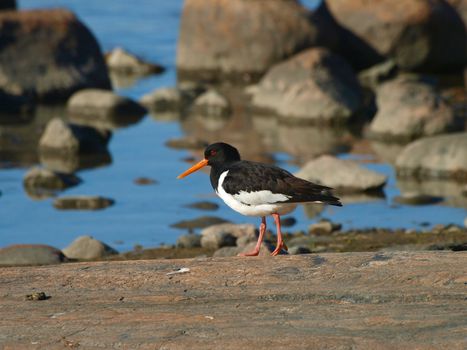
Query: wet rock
{"x": 268, "y": 33}
{"x": 143, "y": 181}
{"x": 188, "y": 142}
{"x": 61, "y": 138}
{"x": 82, "y": 203}
{"x": 40, "y": 182}
{"x": 413, "y": 33}
{"x": 217, "y": 239}
{"x": 436, "y": 157}
{"x": 299, "y": 250}
{"x": 342, "y": 175}
{"x": 315, "y": 86}
{"x": 101, "y": 108}
{"x": 409, "y": 109}
{"x": 123, "y": 62}
{"x": 211, "y": 103}
{"x": 7, "y": 5}
{"x": 190, "y": 240}
{"x": 88, "y": 248}
{"x": 201, "y": 222}
{"x": 30, "y": 254}
{"x": 226, "y": 252}
{"x": 203, "y": 205}
{"x": 47, "y": 55}
{"x": 417, "y": 199}
{"x": 324, "y": 227}
{"x": 236, "y": 230}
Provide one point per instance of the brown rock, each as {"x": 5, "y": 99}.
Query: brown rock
{"x": 421, "y": 35}
{"x": 48, "y": 54}
{"x": 390, "y": 300}
{"x": 82, "y": 203}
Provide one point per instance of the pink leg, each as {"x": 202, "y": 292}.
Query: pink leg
{"x": 280, "y": 242}
{"x": 262, "y": 230}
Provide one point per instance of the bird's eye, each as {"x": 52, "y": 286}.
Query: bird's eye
{"x": 213, "y": 152}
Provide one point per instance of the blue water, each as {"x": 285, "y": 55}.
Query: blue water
{"x": 143, "y": 214}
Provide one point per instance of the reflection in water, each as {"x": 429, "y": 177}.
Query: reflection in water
{"x": 387, "y": 151}
{"x": 110, "y": 122}
{"x": 20, "y": 134}
{"x": 451, "y": 190}
{"x": 71, "y": 163}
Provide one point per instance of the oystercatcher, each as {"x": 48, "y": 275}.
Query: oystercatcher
{"x": 256, "y": 189}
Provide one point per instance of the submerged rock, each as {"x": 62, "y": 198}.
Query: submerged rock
{"x": 409, "y": 109}
{"x": 315, "y": 86}
{"x": 345, "y": 176}
{"x": 203, "y": 205}
{"x": 123, "y": 62}
{"x": 47, "y": 55}
{"x": 417, "y": 199}
{"x": 201, "y": 222}
{"x": 82, "y": 203}
{"x": 30, "y": 254}
{"x": 40, "y": 182}
{"x": 88, "y": 248}
{"x": 441, "y": 157}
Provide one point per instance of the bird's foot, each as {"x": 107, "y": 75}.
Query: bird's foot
{"x": 278, "y": 249}
{"x": 252, "y": 253}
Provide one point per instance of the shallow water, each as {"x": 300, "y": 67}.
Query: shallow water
{"x": 143, "y": 214}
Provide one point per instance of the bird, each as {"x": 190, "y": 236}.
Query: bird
{"x": 257, "y": 189}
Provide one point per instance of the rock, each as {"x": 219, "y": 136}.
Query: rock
{"x": 324, "y": 227}
{"x": 123, "y": 62}
{"x": 211, "y": 103}
{"x": 188, "y": 142}
{"x": 82, "y": 203}
{"x": 69, "y": 163}
{"x": 101, "y": 108}
{"x": 413, "y": 33}
{"x": 265, "y": 249}
{"x": 47, "y": 55}
{"x": 226, "y": 252}
{"x": 345, "y": 176}
{"x": 417, "y": 199}
{"x": 190, "y": 240}
{"x": 201, "y": 222}
{"x": 7, "y": 5}
{"x": 236, "y": 230}
{"x": 40, "y": 182}
{"x": 63, "y": 138}
{"x": 163, "y": 99}
{"x": 436, "y": 157}
{"x": 143, "y": 181}
{"x": 299, "y": 250}
{"x": 203, "y": 205}
{"x": 88, "y": 248}
{"x": 217, "y": 239}
{"x": 30, "y": 254}
{"x": 410, "y": 109}
{"x": 241, "y": 39}
{"x": 375, "y": 75}
{"x": 315, "y": 86}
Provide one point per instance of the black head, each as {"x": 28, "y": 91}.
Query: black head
{"x": 221, "y": 152}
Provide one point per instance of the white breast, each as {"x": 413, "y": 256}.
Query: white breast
{"x": 259, "y": 203}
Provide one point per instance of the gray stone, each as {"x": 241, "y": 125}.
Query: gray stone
{"x": 63, "y": 138}
{"x": 226, "y": 252}
{"x": 436, "y": 157}
{"x": 342, "y": 175}
{"x": 315, "y": 86}
{"x": 48, "y": 54}
{"x": 409, "y": 109}
{"x": 299, "y": 250}
{"x": 30, "y": 254}
{"x": 244, "y": 37}
{"x": 88, "y": 248}
{"x": 95, "y": 107}
{"x": 82, "y": 203}
{"x": 190, "y": 240}
{"x": 218, "y": 239}
{"x": 211, "y": 103}
{"x": 324, "y": 227}
{"x": 123, "y": 62}
{"x": 236, "y": 230}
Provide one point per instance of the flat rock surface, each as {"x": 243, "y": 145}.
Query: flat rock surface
{"x": 391, "y": 300}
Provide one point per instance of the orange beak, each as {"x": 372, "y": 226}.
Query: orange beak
{"x": 194, "y": 168}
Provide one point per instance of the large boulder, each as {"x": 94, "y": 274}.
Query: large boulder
{"x": 346, "y": 176}
{"x": 47, "y": 55}
{"x": 420, "y": 35}
{"x": 241, "y": 39}
{"x": 409, "y": 109}
{"x": 63, "y": 138}
{"x": 316, "y": 86}
{"x": 88, "y": 248}
{"x": 30, "y": 254}
{"x": 441, "y": 157}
